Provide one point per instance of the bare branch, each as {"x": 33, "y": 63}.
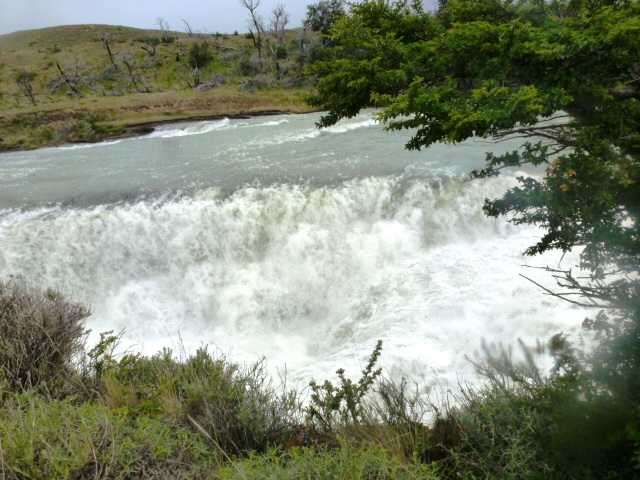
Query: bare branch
{"x": 105, "y": 39}
{"x": 554, "y": 132}
{"x": 595, "y": 292}
{"x": 68, "y": 82}
{"x": 256, "y": 27}
{"x": 186, "y": 24}
{"x": 164, "y": 27}
{"x": 564, "y": 296}
{"x": 625, "y": 93}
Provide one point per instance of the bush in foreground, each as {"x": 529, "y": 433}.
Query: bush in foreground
{"x": 236, "y": 407}
{"x": 41, "y": 438}
{"x": 42, "y": 336}
{"x": 70, "y": 413}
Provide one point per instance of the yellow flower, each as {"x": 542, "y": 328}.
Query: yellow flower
{"x": 564, "y": 187}
{"x": 572, "y": 173}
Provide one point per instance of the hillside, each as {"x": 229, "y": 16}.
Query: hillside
{"x": 90, "y": 82}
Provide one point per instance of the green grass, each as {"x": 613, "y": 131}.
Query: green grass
{"x": 346, "y": 462}
{"x": 40, "y": 438}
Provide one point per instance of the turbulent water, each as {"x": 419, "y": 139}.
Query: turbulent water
{"x": 270, "y": 237}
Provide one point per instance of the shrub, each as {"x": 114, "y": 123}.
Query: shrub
{"x": 397, "y": 419}
{"x": 236, "y": 407}
{"x": 332, "y": 406}
{"x": 47, "y": 135}
{"x": 263, "y": 80}
{"x": 522, "y": 424}
{"x": 42, "y": 337}
{"x": 502, "y": 437}
{"x": 40, "y": 438}
{"x": 251, "y": 66}
{"x": 200, "y": 55}
{"x": 215, "y": 81}
{"x": 239, "y": 407}
{"x": 349, "y": 462}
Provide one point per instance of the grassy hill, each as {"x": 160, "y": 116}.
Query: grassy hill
{"x": 90, "y": 82}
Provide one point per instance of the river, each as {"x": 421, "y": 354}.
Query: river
{"x": 268, "y": 237}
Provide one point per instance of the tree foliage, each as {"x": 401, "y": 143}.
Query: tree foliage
{"x": 200, "y": 55}
{"x": 322, "y": 15}
{"x": 564, "y": 76}
{"x": 497, "y": 69}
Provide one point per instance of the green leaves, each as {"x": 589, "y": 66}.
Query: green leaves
{"x": 496, "y": 69}
{"x": 332, "y": 406}
{"x": 565, "y": 77}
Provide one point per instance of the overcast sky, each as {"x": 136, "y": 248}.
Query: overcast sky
{"x": 224, "y": 16}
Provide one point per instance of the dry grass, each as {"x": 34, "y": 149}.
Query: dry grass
{"x": 99, "y": 118}
{"x": 42, "y": 336}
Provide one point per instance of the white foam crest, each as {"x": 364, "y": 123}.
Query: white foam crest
{"x": 342, "y": 127}
{"x": 183, "y": 130}
{"x": 363, "y": 120}
{"x": 290, "y": 137}
{"x": 348, "y": 126}
{"x": 10, "y": 216}
{"x": 82, "y": 146}
{"x": 310, "y": 277}
{"x": 270, "y": 123}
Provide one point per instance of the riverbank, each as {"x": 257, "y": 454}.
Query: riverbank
{"x": 97, "y": 119}
{"x": 88, "y": 83}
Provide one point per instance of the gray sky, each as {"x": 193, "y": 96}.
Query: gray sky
{"x": 224, "y": 16}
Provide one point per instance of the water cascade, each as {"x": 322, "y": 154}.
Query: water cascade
{"x": 268, "y": 237}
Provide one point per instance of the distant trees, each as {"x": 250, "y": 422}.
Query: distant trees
{"x": 119, "y": 61}
{"x": 271, "y": 33}
{"x": 322, "y": 15}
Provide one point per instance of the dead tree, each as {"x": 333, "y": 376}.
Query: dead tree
{"x": 256, "y": 28}
{"x": 68, "y": 81}
{"x": 150, "y": 48}
{"x": 164, "y": 28}
{"x": 105, "y": 39}
{"x": 137, "y": 83}
{"x": 277, "y": 34}
{"x": 23, "y": 80}
{"x": 186, "y": 24}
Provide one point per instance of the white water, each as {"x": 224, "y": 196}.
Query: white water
{"x": 269, "y": 237}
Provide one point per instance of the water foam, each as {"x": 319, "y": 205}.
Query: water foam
{"x": 353, "y": 125}
{"x": 308, "y": 276}
{"x": 186, "y": 129}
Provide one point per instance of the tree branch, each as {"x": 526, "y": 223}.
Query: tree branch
{"x": 625, "y": 93}
{"x": 68, "y": 82}
{"x": 563, "y": 296}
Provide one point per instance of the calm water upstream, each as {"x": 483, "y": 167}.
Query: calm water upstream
{"x": 269, "y": 237}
